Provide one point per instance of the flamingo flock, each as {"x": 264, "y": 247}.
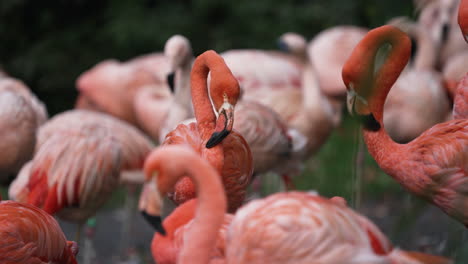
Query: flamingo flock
{"x": 197, "y": 130}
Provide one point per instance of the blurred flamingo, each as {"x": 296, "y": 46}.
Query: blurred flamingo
{"x": 30, "y": 235}
{"x": 122, "y": 89}
{"x": 440, "y": 18}
{"x": 453, "y": 72}
{"x": 21, "y": 114}
{"x": 289, "y": 227}
{"x": 78, "y": 161}
{"x": 419, "y": 85}
{"x": 212, "y": 137}
{"x": 432, "y": 166}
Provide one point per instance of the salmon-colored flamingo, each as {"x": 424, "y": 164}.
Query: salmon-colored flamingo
{"x": 163, "y": 168}
{"x": 30, "y": 235}
{"x": 260, "y": 126}
{"x": 460, "y": 108}
{"x": 212, "y": 137}
{"x": 419, "y": 85}
{"x": 21, "y": 114}
{"x": 289, "y": 227}
{"x": 432, "y": 166}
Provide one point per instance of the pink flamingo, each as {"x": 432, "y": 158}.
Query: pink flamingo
{"x": 212, "y": 137}
{"x": 30, "y": 235}
{"x": 261, "y": 127}
{"x": 460, "y": 108}
{"x": 21, "y": 115}
{"x": 431, "y": 166}
{"x": 121, "y": 90}
{"x": 288, "y": 227}
{"x": 78, "y": 163}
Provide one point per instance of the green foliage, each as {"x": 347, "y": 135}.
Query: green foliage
{"x": 49, "y": 43}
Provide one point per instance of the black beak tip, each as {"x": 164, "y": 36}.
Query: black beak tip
{"x": 282, "y": 46}
{"x": 216, "y": 138}
{"x": 170, "y": 81}
{"x": 155, "y": 222}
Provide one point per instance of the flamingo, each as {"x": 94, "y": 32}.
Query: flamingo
{"x": 290, "y": 227}
{"x": 30, "y": 235}
{"x": 460, "y": 109}
{"x": 120, "y": 89}
{"x": 79, "y": 158}
{"x": 439, "y": 17}
{"x": 432, "y": 166}
{"x": 212, "y": 137}
{"x": 21, "y": 115}
{"x": 330, "y": 49}
{"x": 262, "y": 128}
{"x": 453, "y": 71}
{"x": 406, "y": 112}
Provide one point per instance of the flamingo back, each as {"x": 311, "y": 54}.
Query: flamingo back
{"x": 30, "y": 235}
{"x": 265, "y": 132}
{"x": 300, "y": 228}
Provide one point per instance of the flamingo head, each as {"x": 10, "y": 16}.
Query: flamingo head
{"x": 224, "y": 100}
{"x": 372, "y": 68}
{"x": 463, "y": 18}
{"x": 178, "y": 51}
{"x": 292, "y": 43}
{"x": 151, "y": 204}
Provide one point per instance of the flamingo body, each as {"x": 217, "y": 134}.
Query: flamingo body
{"x": 21, "y": 115}
{"x": 236, "y": 170}
{"x": 79, "y": 156}
{"x": 460, "y": 108}
{"x": 30, "y": 235}
{"x": 434, "y": 165}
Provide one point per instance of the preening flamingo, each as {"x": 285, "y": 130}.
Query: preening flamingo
{"x": 21, "y": 114}
{"x": 185, "y": 234}
{"x": 30, "y": 235}
{"x": 419, "y": 85}
{"x": 432, "y": 166}
{"x": 263, "y": 129}
{"x": 212, "y": 137}
{"x": 289, "y": 227}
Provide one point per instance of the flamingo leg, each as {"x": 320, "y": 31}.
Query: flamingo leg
{"x": 88, "y": 249}
{"x": 288, "y": 182}
{"x": 130, "y": 207}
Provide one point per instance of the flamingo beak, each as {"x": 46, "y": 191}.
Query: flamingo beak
{"x": 171, "y": 80}
{"x": 150, "y": 206}
{"x": 356, "y": 104}
{"x": 224, "y": 124}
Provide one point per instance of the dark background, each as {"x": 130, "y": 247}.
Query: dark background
{"x": 48, "y": 44}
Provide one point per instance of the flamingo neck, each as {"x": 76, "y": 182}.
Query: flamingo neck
{"x": 426, "y": 56}
{"x": 313, "y": 99}
{"x": 182, "y": 86}
{"x": 381, "y": 147}
{"x": 209, "y": 215}
{"x": 202, "y": 106}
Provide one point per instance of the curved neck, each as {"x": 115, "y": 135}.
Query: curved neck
{"x": 204, "y": 64}
{"x": 211, "y": 204}
{"x": 388, "y": 55}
